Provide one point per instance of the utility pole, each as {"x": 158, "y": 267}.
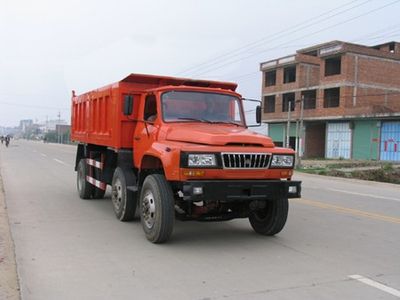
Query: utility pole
{"x": 288, "y": 124}
{"x": 301, "y": 138}
{"x": 58, "y": 131}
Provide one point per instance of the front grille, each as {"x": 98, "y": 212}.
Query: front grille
{"x": 245, "y": 160}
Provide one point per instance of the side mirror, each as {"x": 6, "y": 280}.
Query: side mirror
{"x": 253, "y": 105}
{"x": 258, "y": 114}
{"x": 128, "y": 105}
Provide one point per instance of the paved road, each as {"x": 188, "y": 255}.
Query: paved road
{"x": 68, "y": 248}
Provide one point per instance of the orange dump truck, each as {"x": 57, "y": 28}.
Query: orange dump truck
{"x": 175, "y": 148}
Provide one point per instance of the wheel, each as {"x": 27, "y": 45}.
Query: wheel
{"x": 85, "y": 189}
{"x": 157, "y": 212}
{"x": 97, "y": 193}
{"x": 124, "y": 201}
{"x": 271, "y": 219}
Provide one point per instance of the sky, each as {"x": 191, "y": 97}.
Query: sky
{"x": 49, "y": 48}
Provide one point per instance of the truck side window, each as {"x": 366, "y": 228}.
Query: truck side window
{"x": 150, "y": 108}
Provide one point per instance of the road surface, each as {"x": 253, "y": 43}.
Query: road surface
{"x": 341, "y": 241}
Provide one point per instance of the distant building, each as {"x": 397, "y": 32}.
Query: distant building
{"x": 63, "y": 129}
{"x": 52, "y": 124}
{"x": 24, "y": 125}
{"x": 350, "y": 95}
{"x": 63, "y": 133}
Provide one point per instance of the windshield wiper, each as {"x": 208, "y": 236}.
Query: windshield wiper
{"x": 195, "y": 119}
{"x": 225, "y": 122}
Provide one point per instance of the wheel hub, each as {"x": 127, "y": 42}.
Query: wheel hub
{"x": 148, "y": 209}
{"x": 117, "y": 194}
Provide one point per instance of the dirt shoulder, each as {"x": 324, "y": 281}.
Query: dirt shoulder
{"x": 366, "y": 170}
{"x": 9, "y": 287}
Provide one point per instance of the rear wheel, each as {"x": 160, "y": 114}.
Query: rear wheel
{"x": 157, "y": 208}
{"x": 124, "y": 201}
{"x": 271, "y": 219}
{"x": 85, "y": 189}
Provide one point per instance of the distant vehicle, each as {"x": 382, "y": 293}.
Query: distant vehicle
{"x": 179, "y": 148}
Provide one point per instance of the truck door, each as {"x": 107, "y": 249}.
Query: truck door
{"x": 147, "y": 128}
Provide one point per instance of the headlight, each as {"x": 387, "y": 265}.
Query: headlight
{"x": 283, "y": 161}
{"x": 202, "y": 160}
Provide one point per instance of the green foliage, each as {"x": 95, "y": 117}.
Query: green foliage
{"x": 387, "y": 167}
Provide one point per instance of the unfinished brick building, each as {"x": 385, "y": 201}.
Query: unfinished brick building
{"x": 350, "y": 95}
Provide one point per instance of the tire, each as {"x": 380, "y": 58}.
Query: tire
{"x": 85, "y": 189}
{"x": 157, "y": 212}
{"x": 272, "y": 218}
{"x": 124, "y": 201}
{"x": 97, "y": 193}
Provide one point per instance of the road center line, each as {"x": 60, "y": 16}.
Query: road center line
{"x": 365, "y": 195}
{"x": 376, "y": 284}
{"x": 60, "y": 161}
{"x": 346, "y": 210}
{"x": 42, "y": 154}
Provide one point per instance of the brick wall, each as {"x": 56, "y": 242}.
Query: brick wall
{"x": 366, "y": 76}
{"x": 379, "y": 71}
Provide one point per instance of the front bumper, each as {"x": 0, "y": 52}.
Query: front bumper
{"x": 239, "y": 190}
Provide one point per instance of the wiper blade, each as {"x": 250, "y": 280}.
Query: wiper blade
{"x": 195, "y": 119}
{"x": 225, "y": 122}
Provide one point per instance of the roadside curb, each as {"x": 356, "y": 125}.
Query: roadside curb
{"x": 9, "y": 283}
{"x": 366, "y": 182}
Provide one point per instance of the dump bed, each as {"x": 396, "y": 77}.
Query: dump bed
{"x": 97, "y": 116}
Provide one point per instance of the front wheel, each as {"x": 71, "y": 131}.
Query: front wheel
{"x": 157, "y": 211}
{"x": 271, "y": 219}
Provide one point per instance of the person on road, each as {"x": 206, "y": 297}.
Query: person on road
{"x": 7, "y": 140}
{"x": 2, "y": 139}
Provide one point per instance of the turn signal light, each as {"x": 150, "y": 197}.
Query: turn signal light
{"x": 286, "y": 173}
{"x": 193, "y": 173}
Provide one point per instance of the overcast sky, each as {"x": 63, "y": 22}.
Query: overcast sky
{"x": 50, "y": 47}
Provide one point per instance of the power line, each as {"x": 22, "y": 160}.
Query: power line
{"x": 257, "y": 43}
{"x": 33, "y": 106}
{"x": 301, "y": 37}
{"x": 382, "y": 30}
{"x": 392, "y": 33}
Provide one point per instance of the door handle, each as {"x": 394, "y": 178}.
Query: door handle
{"x": 137, "y": 138}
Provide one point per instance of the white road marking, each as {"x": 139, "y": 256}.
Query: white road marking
{"x": 60, "y": 161}
{"x": 365, "y": 195}
{"x": 42, "y": 154}
{"x": 376, "y": 284}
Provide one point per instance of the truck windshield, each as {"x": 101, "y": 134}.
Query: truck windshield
{"x": 183, "y": 106}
